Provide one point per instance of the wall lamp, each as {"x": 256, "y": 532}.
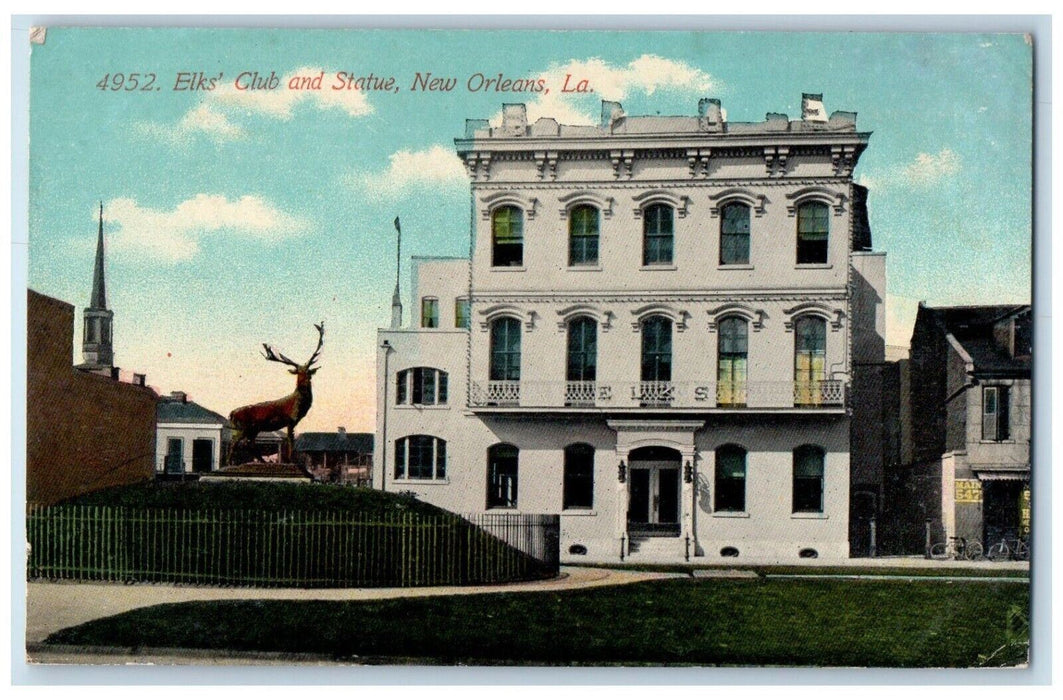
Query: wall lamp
{"x": 621, "y": 472}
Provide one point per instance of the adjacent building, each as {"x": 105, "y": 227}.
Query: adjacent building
{"x": 968, "y": 474}
{"x": 84, "y": 431}
{"x": 338, "y": 457}
{"x": 658, "y": 335}
{"x": 87, "y": 428}
{"x": 190, "y": 439}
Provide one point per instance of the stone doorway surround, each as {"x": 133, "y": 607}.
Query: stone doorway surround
{"x": 632, "y": 434}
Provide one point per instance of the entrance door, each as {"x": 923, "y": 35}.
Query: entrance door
{"x": 638, "y": 510}
{"x": 202, "y": 455}
{"x": 653, "y": 496}
{"x": 174, "y": 456}
{"x": 1001, "y": 510}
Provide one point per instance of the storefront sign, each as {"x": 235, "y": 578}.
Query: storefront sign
{"x": 1024, "y": 512}
{"x": 968, "y": 491}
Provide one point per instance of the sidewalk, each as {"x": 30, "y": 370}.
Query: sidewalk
{"x": 51, "y": 607}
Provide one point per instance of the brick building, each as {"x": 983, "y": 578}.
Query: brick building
{"x": 85, "y": 431}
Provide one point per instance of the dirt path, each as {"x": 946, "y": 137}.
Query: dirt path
{"x": 51, "y": 607}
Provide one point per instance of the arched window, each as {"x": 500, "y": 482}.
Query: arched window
{"x": 808, "y": 479}
{"x": 461, "y": 313}
{"x": 730, "y": 495}
{"x": 505, "y": 349}
{"x": 657, "y": 230}
{"x": 810, "y": 358}
{"x": 425, "y": 386}
{"x": 507, "y": 237}
{"x": 429, "y": 312}
{"x": 583, "y": 236}
{"x": 731, "y": 361}
{"x": 657, "y": 349}
{"x": 502, "y": 476}
{"x": 578, "y": 490}
{"x": 420, "y": 457}
{"x": 813, "y": 230}
{"x": 582, "y": 350}
{"x": 734, "y": 234}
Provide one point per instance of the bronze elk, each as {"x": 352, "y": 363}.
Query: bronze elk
{"x": 248, "y": 421}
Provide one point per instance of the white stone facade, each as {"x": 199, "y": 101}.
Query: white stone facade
{"x": 602, "y": 379}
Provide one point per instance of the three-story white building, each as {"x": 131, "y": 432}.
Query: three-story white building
{"x": 653, "y": 338}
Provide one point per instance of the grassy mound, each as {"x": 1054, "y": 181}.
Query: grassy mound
{"x": 265, "y": 496}
{"x": 278, "y": 534}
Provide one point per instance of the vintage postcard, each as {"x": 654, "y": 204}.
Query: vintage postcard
{"x": 490, "y": 347}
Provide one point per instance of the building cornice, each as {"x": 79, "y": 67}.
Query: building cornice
{"x": 599, "y": 298}
{"x": 659, "y": 184}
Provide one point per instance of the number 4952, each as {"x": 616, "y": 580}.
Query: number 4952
{"x": 127, "y": 82}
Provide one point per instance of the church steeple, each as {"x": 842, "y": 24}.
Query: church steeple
{"x": 99, "y": 285}
{"x": 96, "y": 347}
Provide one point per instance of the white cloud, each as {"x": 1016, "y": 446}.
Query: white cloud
{"x": 213, "y": 116}
{"x": 929, "y": 168}
{"x": 924, "y": 170}
{"x": 279, "y": 103}
{"x": 202, "y": 120}
{"x": 174, "y": 236}
{"x": 437, "y": 165}
{"x": 646, "y": 74}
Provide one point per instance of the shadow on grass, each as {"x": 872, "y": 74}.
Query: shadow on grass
{"x": 757, "y": 622}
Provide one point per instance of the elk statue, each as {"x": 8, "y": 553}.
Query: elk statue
{"x": 248, "y": 421}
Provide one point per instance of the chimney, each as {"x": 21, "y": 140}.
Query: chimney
{"x": 612, "y": 112}
{"x": 514, "y": 119}
{"x": 710, "y": 114}
{"x": 812, "y": 109}
{"x": 140, "y": 379}
{"x": 179, "y": 396}
{"x": 341, "y": 430}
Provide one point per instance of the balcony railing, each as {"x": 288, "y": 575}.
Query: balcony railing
{"x": 496, "y": 393}
{"x": 630, "y": 395}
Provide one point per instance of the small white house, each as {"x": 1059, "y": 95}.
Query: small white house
{"x": 189, "y": 439}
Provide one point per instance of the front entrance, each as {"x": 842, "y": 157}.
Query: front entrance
{"x": 653, "y": 492}
{"x": 202, "y": 455}
{"x": 1002, "y": 510}
{"x": 175, "y": 456}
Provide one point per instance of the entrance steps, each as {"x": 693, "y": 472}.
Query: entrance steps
{"x": 656, "y": 549}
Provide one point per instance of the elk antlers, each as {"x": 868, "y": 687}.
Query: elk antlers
{"x": 273, "y": 356}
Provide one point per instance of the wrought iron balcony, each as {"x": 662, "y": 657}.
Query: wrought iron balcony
{"x": 680, "y": 395}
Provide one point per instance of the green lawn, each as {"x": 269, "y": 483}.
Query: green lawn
{"x": 700, "y": 622}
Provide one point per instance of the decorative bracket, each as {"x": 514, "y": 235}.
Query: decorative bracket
{"x": 622, "y": 162}
{"x": 843, "y": 159}
{"x": 775, "y": 158}
{"x": 546, "y": 164}
{"x": 698, "y": 159}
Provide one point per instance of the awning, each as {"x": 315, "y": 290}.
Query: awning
{"x": 1012, "y": 474}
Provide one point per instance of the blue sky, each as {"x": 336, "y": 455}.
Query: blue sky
{"x": 240, "y": 217}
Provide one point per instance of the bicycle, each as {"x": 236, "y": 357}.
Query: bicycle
{"x": 957, "y": 548}
{"x": 1016, "y": 549}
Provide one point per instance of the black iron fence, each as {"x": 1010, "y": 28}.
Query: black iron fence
{"x": 289, "y": 548}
